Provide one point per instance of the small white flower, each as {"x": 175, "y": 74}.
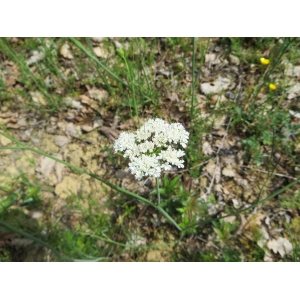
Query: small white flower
{"x": 153, "y": 147}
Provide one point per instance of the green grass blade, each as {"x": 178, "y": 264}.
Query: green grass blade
{"x": 87, "y": 53}
{"x": 29, "y": 236}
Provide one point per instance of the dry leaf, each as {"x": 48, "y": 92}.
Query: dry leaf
{"x": 72, "y": 103}
{"x": 172, "y": 96}
{"x": 229, "y": 172}
{"x": 229, "y": 219}
{"x": 281, "y": 246}
{"x": 47, "y": 166}
{"x": 212, "y": 59}
{"x": 293, "y": 91}
{"x": 206, "y": 148}
{"x": 72, "y": 130}
{"x": 38, "y": 98}
{"x": 65, "y": 51}
{"x": 98, "y": 94}
{"x": 59, "y": 169}
{"x": 294, "y": 114}
{"x": 217, "y": 174}
{"x": 88, "y": 128}
{"x": 236, "y": 203}
{"x": 36, "y": 56}
{"x": 4, "y": 141}
{"x": 109, "y": 132}
{"x": 61, "y": 140}
{"x": 215, "y": 87}
{"x": 210, "y": 168}
{"x": 293, "y": 71}
{"x": 219, "y": 122}
{"x": 100, "y": 52}
{"x": 234, "y": 60}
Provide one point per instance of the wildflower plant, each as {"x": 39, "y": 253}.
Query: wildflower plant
{"x": 153, "y": 148}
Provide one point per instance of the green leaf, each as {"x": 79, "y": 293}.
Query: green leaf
{"x": 6, "y": 203}
{"x": 174, "y": 181}
{"x": 165, "y": 181}
{"x": 162, "y": 191}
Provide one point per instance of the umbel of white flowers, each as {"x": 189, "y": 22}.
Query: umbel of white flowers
{"x": 153, "y": 147}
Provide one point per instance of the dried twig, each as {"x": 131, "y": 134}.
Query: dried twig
{"x": 266, "y": 172}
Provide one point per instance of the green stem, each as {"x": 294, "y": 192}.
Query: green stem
{"x": 193, "y": 78}
{"x": 157, "y": 188}
{"x": 83, "y": 49}
{"x": 29, "y": 236}
{"x": 115, "y": 187}
{"x": 131, "y": 77}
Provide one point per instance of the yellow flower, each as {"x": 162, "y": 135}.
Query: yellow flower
{"x": 264, "y": 61}
{"x": 272, "y": 86}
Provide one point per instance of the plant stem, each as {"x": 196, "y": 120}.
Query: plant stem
{"x": 115, "y": 187}
{"x": 131, "y": 77}
{"x": 158, "y": 193}
{"x": 87, "y": 53}
{"x": 29, "y": 236}
{"x": 193, "y": 78}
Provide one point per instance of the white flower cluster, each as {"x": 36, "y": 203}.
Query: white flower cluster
{"x": 152, "y": 148}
